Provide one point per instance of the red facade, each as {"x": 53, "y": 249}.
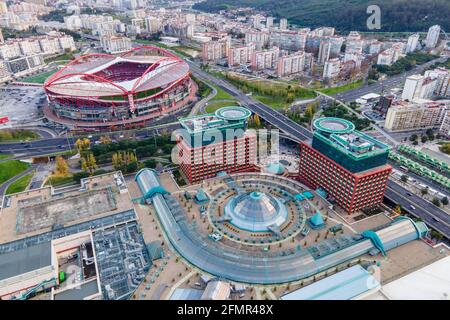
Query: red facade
{"x": 237, "y": 155}
{"x": 351, "y": 191}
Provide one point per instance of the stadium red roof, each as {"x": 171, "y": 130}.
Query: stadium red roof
{"x": 140, "y": 69}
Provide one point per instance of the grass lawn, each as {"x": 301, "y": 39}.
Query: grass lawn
{"x": 14, "y": 135}
{"x": 58, "y": 180}
{"x": 221, "y": 95}
{"x": 11, "y": 168}
{"x": 349, "y": 86}
{"x": 5, "y": 156}
{"x": 20, "y": 184}
{"x": 213, "y": 106}
{"x": 39, "y": 78}
{"x": 273, "y": 102}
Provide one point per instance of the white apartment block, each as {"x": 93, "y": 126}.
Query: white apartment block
{"x": 442, "y": 77}
{"x": 433, "y": 37}
{"x": 266, "y": 59}
{"x": 291, "y": 65}
{"x": 445, "y": 126}
{"x": 283, "y": 24}
{"x": 412, "y": 87}
{"x": 259, "y": 38}
{"x": 421, "y": 87}
{"x": 413, "y": 116}
{"x": 354, "y": 43}
{"x": 216, "y": 49}
{"x": 413, "y": 42}
{"x": 375, "y": 47}
{"x": 398, "y": 50}
{"x": 386, "y": 57}
{"x": 288, "y": 40}
{"x": 153, "y": 24}
{"x": 46, "y": 45}
{"x": 269, "y": 22}
{"x": 240, "y": 55}
{"x": 115, "y": 44}
{"x": 331, "y": 69}
{"x": 324, "y": 32}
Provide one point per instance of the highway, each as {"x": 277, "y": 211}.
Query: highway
{"x": 273, "y": 117}
{"x": 433, "y": 216}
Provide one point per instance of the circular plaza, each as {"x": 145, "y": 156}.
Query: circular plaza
{"x": 256, "y": 209}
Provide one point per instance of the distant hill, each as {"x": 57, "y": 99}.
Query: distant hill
{"x": 347, "y": 15}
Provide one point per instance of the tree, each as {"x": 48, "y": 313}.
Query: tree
{"x": 398, "y": 209}
{"x": 424, "y": 191}
{"x": 257, "y": 120}
{"x": 105, "y": 139}
{"x": 82, "y": 144}
{"x": 62, "y": 167}
{"x": 414, "y": 137}
{"x": 404, "y": 178}
{"x": 424, "y": 139}
{"x": 445, "y": 201}
{"x": 89, "y": 164}
{"x": 436, "y": 202}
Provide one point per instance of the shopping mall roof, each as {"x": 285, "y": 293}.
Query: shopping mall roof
{"x": 25, "y": 260}
{"x": 432, "y": 282}
{"x": 344, "y": 285}
{"x": 80, "y": 292}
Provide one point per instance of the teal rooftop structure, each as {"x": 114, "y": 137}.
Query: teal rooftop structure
{"x": 148, "y": 182}
{"x": 201, "y": 196}
{"x": 337, "y": 139}
{"x": 308, "y": 195}
{"x": 275, "y": 168}
{"x": 205, "y": 128}
{"x": 316, "y": 221}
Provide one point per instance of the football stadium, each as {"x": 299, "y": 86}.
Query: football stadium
{"x": 103, "y": 91}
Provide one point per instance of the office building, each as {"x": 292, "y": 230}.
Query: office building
{"x": 219, "y": 142}
{"x": 350, "y": 166}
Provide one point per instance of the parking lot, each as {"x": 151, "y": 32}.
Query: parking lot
{"x": 20, "y": 104}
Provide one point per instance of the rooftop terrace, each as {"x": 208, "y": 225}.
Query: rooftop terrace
{"x": 224, "y": 118}
{"x": 38, "y": 211}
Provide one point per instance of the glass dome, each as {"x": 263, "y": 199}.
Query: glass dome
{"x": 256, "y": 211}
